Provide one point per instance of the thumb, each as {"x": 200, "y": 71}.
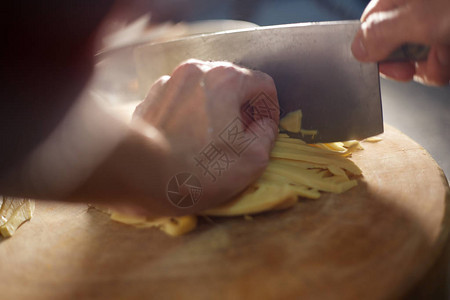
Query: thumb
{"x": 382, "y": 32}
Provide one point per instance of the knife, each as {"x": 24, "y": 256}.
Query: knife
{"x": 312, "y": 66}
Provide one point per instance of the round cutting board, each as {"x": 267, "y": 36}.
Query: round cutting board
{"x": 372, "y": 242}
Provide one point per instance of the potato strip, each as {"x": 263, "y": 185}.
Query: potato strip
{"x": 13, "y": 213}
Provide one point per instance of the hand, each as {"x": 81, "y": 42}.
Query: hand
{"x": 387, "y": 24}
{"x": 202, "y": 110}
{"x": 196, "y": 121}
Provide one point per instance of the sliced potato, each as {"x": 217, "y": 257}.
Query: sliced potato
{"x": 292, "y": 122}
{"x": 314, "y": 158}
{"x": 353, "y": 144}
{"x": 9, "y": 206}
{"x": 300, "y": 189}
{"x": 259, "y": 197}
{"x": 322, "y": 150}
{"x": 173, "y": 226}
{"x": 337, "y": 171}
{"x": 310, "y": 132}
{"x": 22, "y": 213}
{"x": 335, "y": 147}
{"x": 373, "y": 139}
{"x": 127, "y": 219}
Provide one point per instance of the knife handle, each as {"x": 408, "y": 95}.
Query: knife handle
{"x": 409, "y": 52}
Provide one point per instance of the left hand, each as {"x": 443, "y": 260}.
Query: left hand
{"x": 201, "y": 110}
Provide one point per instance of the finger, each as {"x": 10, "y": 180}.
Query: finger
{"x": 186, "y": 94}
{"x": 257, "y": 154}
{"x": 205, "y": 66}
{"x": 184, "y": 80}
{"x": 247, "y": 83}
{"x": 143, "y": 110}
{"x": 262, "y": 105}
{"x": 254, "y": 155}
{"x": 436, "y": 70}
{"x": 255, "y": 91}
{"x": 239, "y": 92}
{"x": 190, "y": 107}
{"x": 157, "y": 87}
{"x": 260, "y": 82}
{"x": 382, "y": 32}
{"x": 266, "y": 129}
{"x": 401, "y": 71}
{"x": 380, "y": 5}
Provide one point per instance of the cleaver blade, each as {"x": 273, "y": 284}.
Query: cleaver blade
{"x": 311, "y": 64}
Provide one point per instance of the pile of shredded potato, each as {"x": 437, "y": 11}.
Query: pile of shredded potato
{"x": 14, "y": 212}
{"x": 296, "y": 169}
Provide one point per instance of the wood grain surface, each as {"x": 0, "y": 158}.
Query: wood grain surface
{"x": 372, "y": 242}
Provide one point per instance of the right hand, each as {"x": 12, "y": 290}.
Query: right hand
{"x": 387, "y": 24}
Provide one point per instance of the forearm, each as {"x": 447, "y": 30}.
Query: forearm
{"x": 93, "y": 156}
{"x": 132, "y": 175}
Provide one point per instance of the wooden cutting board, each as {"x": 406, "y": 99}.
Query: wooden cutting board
{"x": 372, "y": 242}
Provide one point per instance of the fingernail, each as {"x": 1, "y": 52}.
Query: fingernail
{"x": 358, "y": 48}
{"x": 442, "y": 57}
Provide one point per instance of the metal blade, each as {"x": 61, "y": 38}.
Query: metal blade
{"x": 311, "y": 64}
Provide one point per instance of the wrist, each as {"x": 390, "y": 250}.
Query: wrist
{"x": 72, "y": 151}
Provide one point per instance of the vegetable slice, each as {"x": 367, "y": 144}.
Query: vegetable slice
{"x": 21, "y": 214}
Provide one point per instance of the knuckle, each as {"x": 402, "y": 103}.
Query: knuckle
{"x": 227, "y": 70}
{"x": 224, "y": 75}
{"x": 267, "y": 84}
{"x": 373, "y": 30}
{"x": 380, "y": 34}
{"x": 267, "y": 80}
{"x": 187, "y": 69}
{"x": 139, "y": 110}
{"x": 160, "y": 82}
{"x": 193, "y": 61}
{"x": 142, "y": 110}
